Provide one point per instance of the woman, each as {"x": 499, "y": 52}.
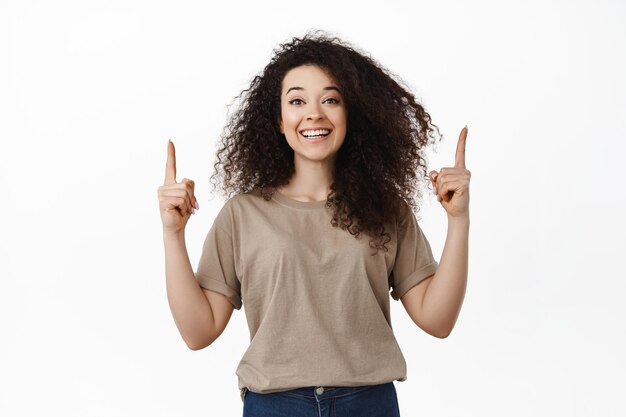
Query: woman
{"x": 320, "y": 165}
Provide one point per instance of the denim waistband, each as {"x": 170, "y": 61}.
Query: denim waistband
{"x": 321, "y": 392}
{"x": 328, "y": 391}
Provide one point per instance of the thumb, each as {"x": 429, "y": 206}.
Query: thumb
{"x": 193, "y": 186}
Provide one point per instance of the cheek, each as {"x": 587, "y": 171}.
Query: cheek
{"x": 290, "y": 120}
{"x": 289, "y": 117}
{"x": 341, "y": 119}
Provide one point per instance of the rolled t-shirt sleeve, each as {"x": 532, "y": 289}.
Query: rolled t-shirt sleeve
{"x": 414, "y": 257}
{"x": 216, "y": 268}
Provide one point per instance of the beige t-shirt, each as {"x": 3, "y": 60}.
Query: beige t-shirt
{"x": 316, "y": 301}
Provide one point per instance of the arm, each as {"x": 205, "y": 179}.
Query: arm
{"x": 434, "y": 304}
{"x": 189, "y": 305}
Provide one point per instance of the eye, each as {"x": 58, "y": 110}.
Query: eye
{"x": 333, "y": 101}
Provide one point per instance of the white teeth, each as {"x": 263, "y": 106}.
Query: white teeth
{"x": 319, "y": 132}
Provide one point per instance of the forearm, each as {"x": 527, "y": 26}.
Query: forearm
{"x": 444, "y": 296}
{"x": 190, "y": 307}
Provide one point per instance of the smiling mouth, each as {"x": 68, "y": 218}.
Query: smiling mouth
{"x": 316, "y": 136}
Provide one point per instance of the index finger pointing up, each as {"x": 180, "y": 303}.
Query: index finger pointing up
{"x": 170, "y": 165}
{"x": 460, "y": 149}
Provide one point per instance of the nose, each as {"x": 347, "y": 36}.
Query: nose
{"x": 315, "y": 113}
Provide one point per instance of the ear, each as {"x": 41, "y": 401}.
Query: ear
{"x": 280, "y": 126}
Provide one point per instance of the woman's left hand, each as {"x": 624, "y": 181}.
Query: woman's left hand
{"x": 452, "y": 184}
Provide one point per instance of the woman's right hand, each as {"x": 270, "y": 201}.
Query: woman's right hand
{"x": 176, "y": 200}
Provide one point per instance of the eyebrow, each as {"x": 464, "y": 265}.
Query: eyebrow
{"x": 325, "y": 89}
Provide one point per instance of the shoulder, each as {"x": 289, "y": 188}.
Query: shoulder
{"x": 405, "y": 216}
{"x": 403, "y": 212}
{"x": 241, "y": 205}
{"x": 245, "y": 199}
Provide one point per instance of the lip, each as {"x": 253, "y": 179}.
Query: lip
{"x": 322, "y": 139}
{"x": 316, "y": 128}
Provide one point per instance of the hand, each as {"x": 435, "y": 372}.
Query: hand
{"x": 176, "y": 200}
{"x": 451, "y": 185}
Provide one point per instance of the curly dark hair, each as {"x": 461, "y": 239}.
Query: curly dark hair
{"x": 376, "y": 167}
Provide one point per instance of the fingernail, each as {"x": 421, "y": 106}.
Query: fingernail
{"x": 197, "y": 206}
{"x": 435, "y": 190}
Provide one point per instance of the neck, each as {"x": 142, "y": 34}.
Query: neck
{"x": 311, "y": 180}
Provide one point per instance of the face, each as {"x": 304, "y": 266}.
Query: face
{"x": 310, "y": 99}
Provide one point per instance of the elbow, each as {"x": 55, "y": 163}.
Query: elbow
{"x": 194, "y": 347}
{"x": 199, "y": 340}
{"x": 441, "y": 333}
{"x": 442, "y": 329}
{"x": 197, "y": 345}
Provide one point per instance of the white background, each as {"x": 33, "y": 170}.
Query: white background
{"x": 91, "y": 92}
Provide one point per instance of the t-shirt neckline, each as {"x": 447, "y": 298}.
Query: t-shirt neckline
{"x": 290, "y": 202}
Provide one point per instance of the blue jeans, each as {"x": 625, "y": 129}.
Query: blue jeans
{"x": 364, "y": 401}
